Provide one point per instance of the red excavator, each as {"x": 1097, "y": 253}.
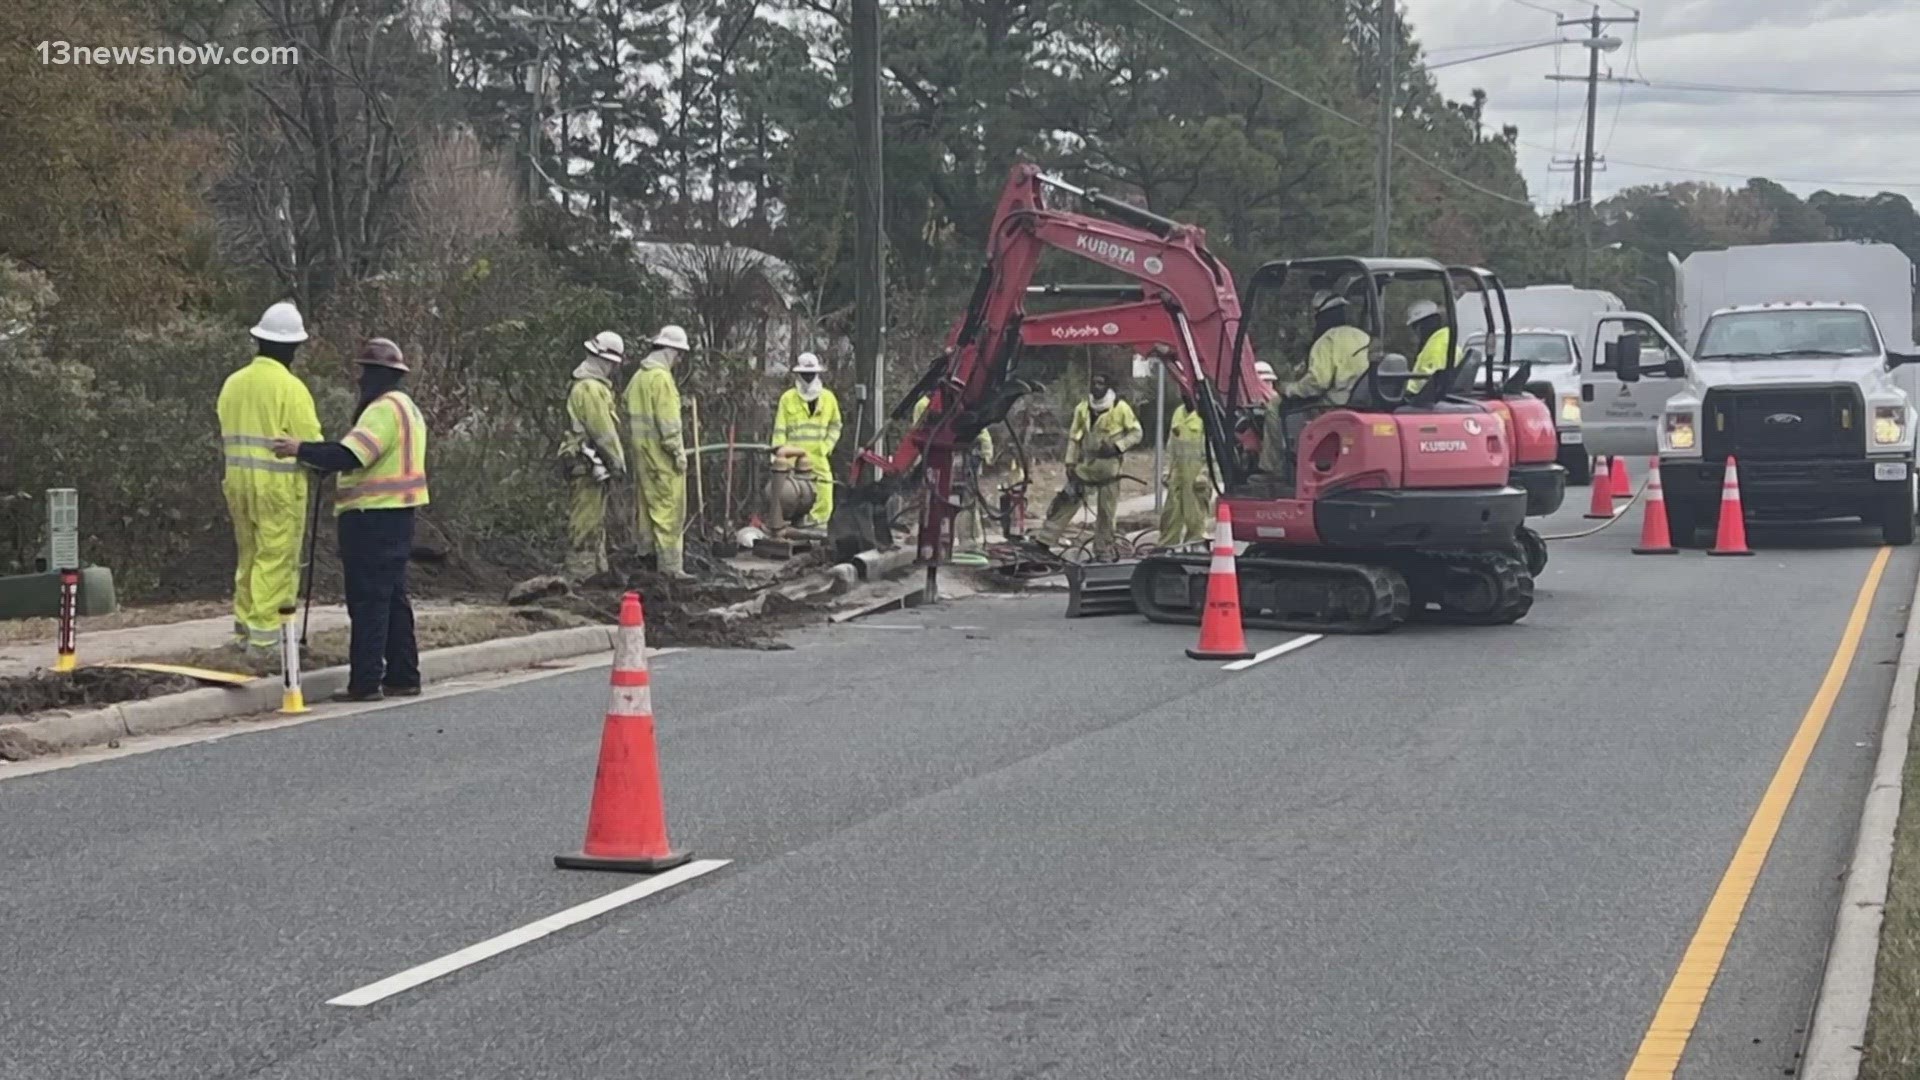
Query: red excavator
{"x": 1393, "y": 505}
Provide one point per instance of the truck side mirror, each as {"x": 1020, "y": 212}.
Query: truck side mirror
{"x": 1895, "y": 359}
{"x": 1676, "y": 368}
{"x": 1625, "y": 356}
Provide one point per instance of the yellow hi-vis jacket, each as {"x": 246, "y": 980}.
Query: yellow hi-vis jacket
{"x": 812, "y": 426}
{"x": 390, "y": 442}
{"x": 653, "y": 421}
{"x": 593, "y": 419}
{"x": 258, "y": 403}
{"x": 1433, "y": 357}
{"x": 982, "y": 443}
{"x": 1186, "y": 443}
{"x": 1335, "y": 364}
{"x": 1117, "y": 427}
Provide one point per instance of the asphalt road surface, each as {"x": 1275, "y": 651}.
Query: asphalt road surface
{"x": 979, "y": 840}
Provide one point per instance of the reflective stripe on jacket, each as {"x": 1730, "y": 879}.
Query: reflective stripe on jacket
{"x": 1186, "y": 439}
{"x": 1335, "y": 364}
{"x": 259, "y": 403}
{"x": 794, "y": 422}
{"x": 390, "y": 442}
{"x": 1117, "y": 427}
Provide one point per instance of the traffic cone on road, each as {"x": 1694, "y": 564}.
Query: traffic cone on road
{"x": 1731, "y": 539}
{"x": 1600, "y": 505}
{"x": 1654, "y": 536}
{"x": 1221, "y": 636}
{"x": 627, "y": 822}
{"x": 1617, "y": 472}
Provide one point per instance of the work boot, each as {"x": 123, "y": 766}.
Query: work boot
{"x": 400, "y": 691}
{"x": 356, "y": 696}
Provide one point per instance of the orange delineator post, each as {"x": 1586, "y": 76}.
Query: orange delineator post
{"x": 1655, "y": 537}
{"x": 627, "y": 821}
{"x": 1600, "y": 504}
{"x": 1617, "y": 472}
{"x": 1731, "y": 537}
{"x": 1221, "y": 635}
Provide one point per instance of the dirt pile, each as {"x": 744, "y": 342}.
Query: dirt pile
{"x": 88, "y": 688}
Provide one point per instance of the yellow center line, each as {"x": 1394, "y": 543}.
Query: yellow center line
{"x": 1679, "y": 1011}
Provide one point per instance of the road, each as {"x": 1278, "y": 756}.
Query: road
{"x": 978, "y": 840}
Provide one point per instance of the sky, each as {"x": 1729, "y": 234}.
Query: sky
{"x": 1806, "y": 143}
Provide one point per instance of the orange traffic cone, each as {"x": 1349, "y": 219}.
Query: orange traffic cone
{"x": 1617, "y": 471}
{"x": 1221, "y": 637}
{"x": 1731, "y": 539}
{"x": 627, "y": 822}
{"x": 1600, "y": 505}
{"x": 1654, "y": 536}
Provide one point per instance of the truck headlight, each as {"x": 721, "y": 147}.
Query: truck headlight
{"x": 1889, "y": 425}
{"x": 1569, "y": 408}
{"x": 1680, "y": 431}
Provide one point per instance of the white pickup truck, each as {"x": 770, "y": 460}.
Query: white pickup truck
{"x": 1555, "y": 357}
{"x": 1803, "y": 396}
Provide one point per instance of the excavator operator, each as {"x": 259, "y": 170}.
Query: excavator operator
{"x": 1335, "y": 364}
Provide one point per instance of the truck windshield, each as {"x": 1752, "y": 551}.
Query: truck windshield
{"x": 1535, "y": 349}
{"x": 1781, "y": 332}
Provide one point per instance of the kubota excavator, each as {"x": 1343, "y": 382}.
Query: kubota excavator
{"x": 1398, "y": 505}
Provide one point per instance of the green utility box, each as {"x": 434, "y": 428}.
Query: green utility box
{"x": 37, "y": 596}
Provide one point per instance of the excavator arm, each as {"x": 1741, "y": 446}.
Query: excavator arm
{"x": 1182, "y": 298}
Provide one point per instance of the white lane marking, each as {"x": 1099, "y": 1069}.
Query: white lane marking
{"x": 533, "y": 931}
{"x": 215, "y": 730}
{"x": 1264, "y": 655}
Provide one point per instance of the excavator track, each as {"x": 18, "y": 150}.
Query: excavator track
{"x": 1278, "y": 594}
{"x": 1478, "y": 589}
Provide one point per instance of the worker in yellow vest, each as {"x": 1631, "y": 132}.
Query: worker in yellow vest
{"x": 969, "y": 528}
{"x": 1104, "y": 428}
{"x": 808, "y": 416}
{"x": 383, "y": 481}
{"x": 1186, "y": 511}
{"x": 1429, "y": 324}
{"x": 267, "y": 498}
{"x": 659, "y": 458}
{"x": 593, "y": 455}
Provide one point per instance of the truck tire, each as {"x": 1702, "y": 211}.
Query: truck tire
{"x": 1578, "y": 465}
{"x": 1684, "y": 520}
{"x": 1897, "y": 517}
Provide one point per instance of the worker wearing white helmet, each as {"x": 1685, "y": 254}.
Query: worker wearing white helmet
{"x": 266, "y": 497}
{"x": 592, "y": 455}
{"x": 1266, "y": 374}
{"x": 808, "y": 416}
{"x": 1336, "y": 362}
{"x": 659, "y": 459}
{"x": 1429, "y": 323}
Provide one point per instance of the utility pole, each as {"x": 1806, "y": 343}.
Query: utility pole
{"x": 869, "y": 225}
{"x": 1584, "y": 165}
{"x": 1383, "y": 165}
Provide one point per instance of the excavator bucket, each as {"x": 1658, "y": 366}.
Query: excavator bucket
{"x": 1100, "y": 589}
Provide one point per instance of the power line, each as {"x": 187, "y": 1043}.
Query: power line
{"x": 1780, "y": 91}
{"x": 1556, "y": 13}
{"x": 1327, "y": 109}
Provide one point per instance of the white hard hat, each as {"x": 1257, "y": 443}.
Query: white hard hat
{"x": 1421, "y": 309}
{"x": 807, "y": 362}
{"x": 608, "y": 345}
{"x": 1325, "y": 301}
{"x": 672, "y": 337}
{"x": 1264, "y": 370}
{"x": 281, "y": 322}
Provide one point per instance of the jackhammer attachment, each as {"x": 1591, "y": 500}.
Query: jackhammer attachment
{"x": 1100, "y": 589}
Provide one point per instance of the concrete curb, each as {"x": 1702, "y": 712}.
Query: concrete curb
{"x": 154, "y": 715}
{"x": 1838, "y": 1033}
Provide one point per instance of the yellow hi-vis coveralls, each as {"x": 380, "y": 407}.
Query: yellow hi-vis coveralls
{"x": 594, "y": 421}
{"x": 813, "y": 426}
{"x": 266, "y": 497}
{"x": 1184, "y": 515}
{"x": 1117, "y": 429}
{"x": 1335, "y": 365}
{"x": 659, "y": 463}
{"x": 970, "y": 528}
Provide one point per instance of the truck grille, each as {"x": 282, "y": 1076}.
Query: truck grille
{"x": 1798, "y": 422}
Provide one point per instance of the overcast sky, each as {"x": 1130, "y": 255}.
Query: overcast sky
{"x": 1806, "y": 143}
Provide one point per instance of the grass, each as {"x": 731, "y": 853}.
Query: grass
{"x": 328, "y": 648}
{"x": 30, "y": 631}
{"x": 1893, "y": 1029}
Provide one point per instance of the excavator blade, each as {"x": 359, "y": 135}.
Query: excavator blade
{"x": 1100, "y": 589}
